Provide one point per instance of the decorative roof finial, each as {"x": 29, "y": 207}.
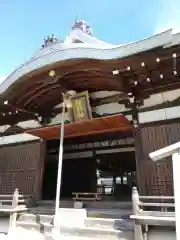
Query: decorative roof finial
{"x": 49, "y": 40}
{"x": 83, "y": 26}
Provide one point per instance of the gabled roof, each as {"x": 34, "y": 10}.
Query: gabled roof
{"x": 83, "y": 62}
{"x": 87, "y": 40}
{"x": 91, "y": 48}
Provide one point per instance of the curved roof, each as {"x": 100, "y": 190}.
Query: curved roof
{"x": 86, "y": 65}
{"x": 89, "y": 49}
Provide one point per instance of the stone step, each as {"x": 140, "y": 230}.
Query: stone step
{"x": 44, "y": 228}
{"x": 37, "y": 218}
{"x": 46, "y": 203}
{"x": 42, "y": 210}
{"x": 110, "y": 213}
{"x": 104, "y": 223}
{"x": 96, "y": 233}
{"x": 98, "y": 213}
{"x": 107, "y": 223}
{"x": 108, "y": 205}
{"x": 22, "y": 233}
{"x": 85, "y": 232}
{"x": 88, "y": 204}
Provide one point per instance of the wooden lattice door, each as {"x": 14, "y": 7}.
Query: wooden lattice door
{"x": 155, "y": 179}
{"x": 21, "y": 166}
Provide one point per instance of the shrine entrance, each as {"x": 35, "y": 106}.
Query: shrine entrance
{"x": 117, "y": 174}
{"x": 78, "y": 173}
{"x": 92, "y": 150}
{"x": 106, "y": 166}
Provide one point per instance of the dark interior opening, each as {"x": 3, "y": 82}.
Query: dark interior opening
{"x": 114, "y": 171}
{"x": 78, "y": 175}
{"x": 50, "y": 177}
{"x": 117, "y": 174}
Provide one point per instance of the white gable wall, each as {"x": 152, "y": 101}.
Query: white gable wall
{"x": 23, "y": 137}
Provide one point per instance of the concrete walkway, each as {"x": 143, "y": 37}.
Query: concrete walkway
{"x": 4, "y": 225}
{"x": 22, "y": 234}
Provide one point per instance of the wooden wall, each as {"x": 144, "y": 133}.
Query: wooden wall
{"x": 21, "y": 166}
{"x": 155, "y": 179}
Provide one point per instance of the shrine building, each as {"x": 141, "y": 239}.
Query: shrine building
{"x": 126, "y": 104}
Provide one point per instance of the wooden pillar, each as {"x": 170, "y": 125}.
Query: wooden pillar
{"x": 138, "y": 146}
{"x": 114, "y": 184}
{"x": 135, "y": 207}
{"x": 122, "y": 178}
{"x": 94, "y": 180}
{"x": 38, "y": 187}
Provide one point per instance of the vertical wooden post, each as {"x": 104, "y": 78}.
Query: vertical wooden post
{"x": 38, "y": 186}
{"x": 138, "y": 144}
{"x": 122, "y": 177}
{"x": 176, "y": 176}
{"x": 135, "y": 200}
{"x": 114, "y": 185}
{"x": 138, "y": 235}
{"x": 15, "y": 198}
{"x": 13, "y": 214}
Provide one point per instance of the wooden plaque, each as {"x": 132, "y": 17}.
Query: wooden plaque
{"x": 81, "y": 109}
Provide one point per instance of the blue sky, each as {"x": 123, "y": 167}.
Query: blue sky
{"x": 24, "y": 24}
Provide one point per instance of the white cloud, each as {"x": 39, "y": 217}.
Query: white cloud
{"x": 168, "y": 16}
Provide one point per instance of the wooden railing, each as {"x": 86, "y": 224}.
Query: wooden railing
{"x": 151, "y": 211}
{"x": 7, "y": 199}
{"x": 165, "y": 215}
{"x": 161, "y": 155}
{"x": 13, "y": 205}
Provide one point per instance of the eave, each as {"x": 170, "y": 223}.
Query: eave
{"x": 30, "y": 90}
{"x": 74, "y": 52}
{"x": 102, "y": 125}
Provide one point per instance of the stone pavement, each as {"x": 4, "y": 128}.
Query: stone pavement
{"x": 4, "y": 225}
{"x": 22, "y": 234}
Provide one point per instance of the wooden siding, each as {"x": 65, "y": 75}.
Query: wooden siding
{"x": 155, "y": 179}
{"x": 21, "y": 166}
